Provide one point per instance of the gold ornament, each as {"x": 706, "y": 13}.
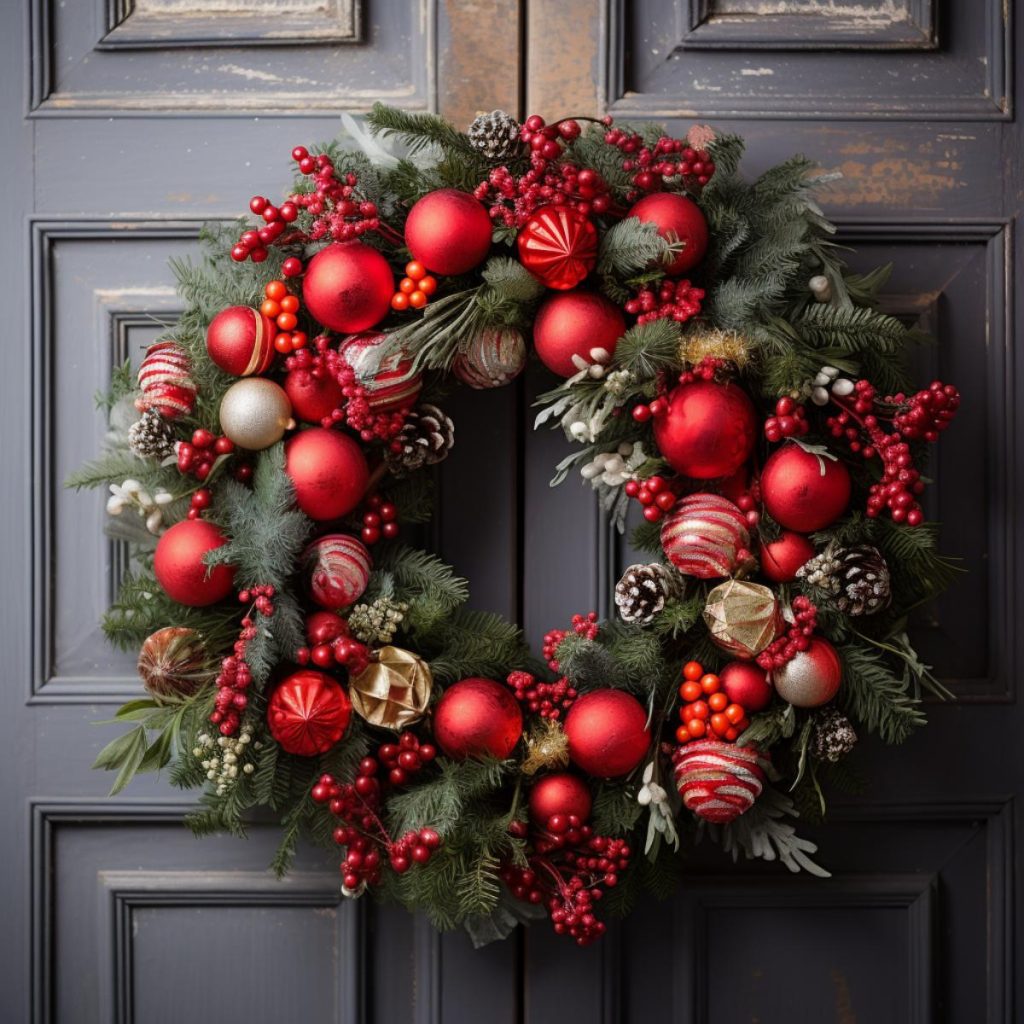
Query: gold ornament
{"x": 255, "y": 413}
{"x": 714, "y": 344}
{"x": 744, "y": 618}
{"x": 393, "y": 690}
{"x": 547, "y": 746}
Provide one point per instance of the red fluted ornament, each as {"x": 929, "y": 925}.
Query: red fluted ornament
{"x": 313, "y": 396}
{"x": 328, "y": 470}
{"x": 240, "y": 340}
{"x": 706, "y": 536}
{"x": 707, "y": 430}
{"x": 559, "y": 794}
{"x": 746, "y": 683}
{"x": 558, "y": 245}
{"x": 803, "y": 490}
{"x": 448, "y": 231}
{"x": 165, "y": 380}
{"x": 348, "y": 287}
{"x": 719, "y": 781}
{"x": 607, "y": 733}
{"x": 781, "y": 558}
{"x": 679, "y": 220}
{"x": 337, "y": 570}
{"x": 179, "y": 567}
{"x": 810, "y": 678}
{"x": 308, "y": 713}
{"x": 576, "y": 324}
{"x": 390, "y": 384}
{"x": 477, "y": 717}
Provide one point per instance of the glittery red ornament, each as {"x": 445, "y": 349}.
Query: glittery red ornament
{"x": 708, "y": 430}
{"x": 165, "y": 380}
{"x": 781, "y": 558}
{"x": 240, "y": 340}
{"x": 312, "y": 396}
{"x": 804, "y": 491}
{"x": 448, "y": 231}
{"x": 308, "y": 713}
{"x": 810, "y": 678}
{"x": 477, "y": 717}
{"x": 348, "y": 287}
{"x": 706, "y": 536}
{"x": 574, "y": 324}
{"x": 558, "y": 245}
{"x": 719, "y": 781}
{"x": 338, "y": 570}
{"x": 746, "y": 683}
{"x": 179, "y": 567}
{"x": 328, "y": 470}
{"x": 607, "y": 733}
{"x": 679, "y": 220}
{"x": 561, "y": 793}
{"x": 390, "y": 384}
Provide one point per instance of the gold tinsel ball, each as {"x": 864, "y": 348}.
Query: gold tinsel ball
{"x": 743, "y": 618}
{"x": 392, "y": 691}
{"x": 255, "y": 413}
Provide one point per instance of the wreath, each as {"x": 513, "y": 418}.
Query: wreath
{"x": 732, "y": 388}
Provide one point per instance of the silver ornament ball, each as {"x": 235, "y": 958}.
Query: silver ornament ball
{"x": 255, "y": 413}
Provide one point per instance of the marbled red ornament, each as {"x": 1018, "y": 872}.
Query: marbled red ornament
{"x": 348, "y": 287}
{"x": 165, "y": 379}
{"x": 679, "y": 220}
{"x": 448, "y": 231}
{"x": 781, "y": 558}
{"x": 574, "y": 324}
{"x": 810, "y": 678}
{"x": 607, "y": 732}
{"x": 494, "y": 358}
{"x": 705, "y": 535}
{"x": 312, "y": 396}
{"x": 337, "y": 570}
{"x": 328, "y": 471}
{"x": 308, "y": 713}
{"x": 746, "y": 683}
{"x": 390, "y": 384}
{"x": 477, "y": 717}
{"x": 719, "y": 781}
{"x": 561, "y": 793}
{"x": 240, "y": 340}
{"x": 558, "y": 245}
{"x": 179, "y": 567}
{"x": 804, "y": 491}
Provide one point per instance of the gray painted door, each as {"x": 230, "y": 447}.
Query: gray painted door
{"x": 125, "y": 125}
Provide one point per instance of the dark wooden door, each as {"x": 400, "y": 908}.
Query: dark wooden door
{"x": 125, "y": 125}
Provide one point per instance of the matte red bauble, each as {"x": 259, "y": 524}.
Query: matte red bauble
{"x": 679, "y": 220}
{"x": 477, "y": 717}
{"x": 448, "y": 231}
{"x": 179, "y": 567}
{"x": 328, "y": 470}
{"x": 337, "y": 570}
{"x": 708, "y": 429}
{"x": 746, "y": 683}
{"x": 781, "y": 558}
{"x": 391, "y": 383}
{"x": 313, "y": 397}
{"x": 561, "y": 793}
{"x": 240, "y": 340}
{"x": 607, "y": 733}
{"x": 348, "y": 287}
{"x": 804, "y": 491}
{"x": 558, "y": 245}
{"x": 572, "y": 324}
{"x": 810, "y": 678}
{"x": 308, "y": 713}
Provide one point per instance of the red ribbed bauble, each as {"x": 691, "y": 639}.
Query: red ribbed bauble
{"x": 313, "y": 397}
{"x": 705, "y": 535}
{"x": 338, "y": 570}
{"x": 803, "y": 491}
{"x": 679, "y": 220}
{"x": 607, "y": 733}
{"x": 328, "y": 470}
{"x": 746, "y": 683}
{"x": 781, "y": 558}
{"x": 240, "y": 340}
{"x": 561, "y": 793}
{"x": 708, "y": 429}
{"x": 719, "y": 781}
{"x": 165, "y": 380}
{"x": 179, "y": 568}
{"x": 477, "y": 717}
{"x": 308, "y": 713}
{"x": 391, "y": 384}
{"x": 558, "y": 245}
{"x": 348, "y": 287}
{"x": 448, "y": 231}
{"x": 810, "y": 678}
{"x": 572, "y": 324}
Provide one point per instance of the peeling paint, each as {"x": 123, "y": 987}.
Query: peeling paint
{"x": 757, "y": 71}
{"x": 894, "y": 181}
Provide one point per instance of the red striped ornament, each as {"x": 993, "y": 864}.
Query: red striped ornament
{"x": 165, "y": 379}
{"x": 719, "y": 781}
{"x": 338, "y": 570}
{"x": 706, "y": 535}
{"x": 495, "y": 356}
{"x": 391, "y": 384}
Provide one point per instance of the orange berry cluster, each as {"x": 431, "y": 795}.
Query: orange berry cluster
{"x": 706, "y": 710}
{"x": 415, "y": 288}
{"x": 282, "y": 307}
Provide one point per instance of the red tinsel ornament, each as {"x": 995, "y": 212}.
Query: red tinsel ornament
{"x": 706, "y": 536}
{"x": 308, "y": 713}
{"x": 558, "y": 245}
{"x": 390, "y": 384}
{"x": 719, "y": 781}
{"x": 348, "y": 287}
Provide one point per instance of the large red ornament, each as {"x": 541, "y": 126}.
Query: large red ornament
{"x": 477, "y": 717}
{"x": 561, "y": 794}
{"x": 558, "y": 245}
{"x": 308, "y": 713}
{"x": 708, "y": 430}
{"x": 391, "y": 384}
{"x": 448, "y": 231}
{"x": 165, "y": 379}
{"x": 706, "y": 535}
{"x": 179, "y": 568}
{"x": 679, "y": 220}
{"x": 607, "y": 733}
{"x": 810, "y": 678}
{"x": 240, "y": 340}
{"x": 781, "y": 558}
{"x": 313, "y": 396}
{"x": 719, "y": 781}
{"x": 328, "y": 470}
{"x": 338, "y": 570}
{"x": 804, "y": 491}
{"x": 348, "y": 287}
{"x": 746, "y": 683}
{"x": 574, "y": 324}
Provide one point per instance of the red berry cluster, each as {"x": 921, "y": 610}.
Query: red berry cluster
{"x": 330, "y": 644}
{"x": 707, "y": 369}
{"x": 790, "y": 420}
{"x": 415, "y": 847}
{"x": 379, "y": 520}
{"x": 667, "y": 158}
{"x": 582, "y": 625}
{"x": 678, "y": 300}
{"x": 406, "y": 757}
{"x": 925, "y": 415}
{"x": 796, "y": 639}
{"x": 747, "y": 503}
{"x": 653, "y": 494}
{"x": 707, "y": 707}
{"x": 548, "y": 700}
{"x": 253, "y": 243}
{"x": 200, "y": 502}
{"x": 543, "y": 139}
{"x": 196, "y": 457}
{"x": 415, "y": 288}
{"x": 282, "y": 307}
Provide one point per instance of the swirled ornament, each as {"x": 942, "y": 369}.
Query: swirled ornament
{"x": 390, "y": 383}
{"x": 495, "y": 356}
{"x": 338, "y": 570}
{"x": 165, "y": 379}
{"x": 706, "y": 536}
{"x": 719, "y": 781}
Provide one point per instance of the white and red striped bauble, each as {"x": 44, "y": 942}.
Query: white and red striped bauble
{"x": 337, "y": 570}
{"x": 165, "y": 379}
{"x": 706, "y": 535}
{"x": 719, "y": 781}
{"x": 390, "y": 383}
{"x": 495, "y": 356}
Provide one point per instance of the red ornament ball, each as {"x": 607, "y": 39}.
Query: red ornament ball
{"x": 348, "y": 287}
{"x": 679, "y": 220}
{"x": 719, "y": 781}
{"x": 705, "y": 535}
{"x": 308, "y": 713}
{"x": 574, "y": 324}
{"x": 337, "y": 570}
{"x": 746, "y": 683}
{"x": 477, "y": 717}
{"x": 781, "y": 558}
{"x": 312, "y": 396}
{"x": 448, "y": 231}
{"x": 708, "y": 430}
{"x": 328, "y": 471}
{"x": 558, "y": 245}
{"x": 165, "y": 380}
{"x": 179, "y": 567}
{"x": 810, "y": 678}
{"x": 607, "y": 733}
{"x": 563, "y": 794}
{"x": 323, "y": 627}
{"x": 240, "y": 340}
{"x": 804, "y": 491}
{"x": 390, "y": 384}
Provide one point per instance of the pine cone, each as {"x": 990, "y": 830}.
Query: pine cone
{"x": 833, "y": 736}
{"x": 496, "y": 135}
{"x": 866, "y": 588}
{"x": 425, "y": 439}
{"x": 150, "y": 437}
{"x": 822, "y": 571}
{"x": 643, "y": 590}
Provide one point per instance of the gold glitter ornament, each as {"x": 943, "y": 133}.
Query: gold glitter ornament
{"x": 255, "y": 413}
{"x": 547, "y": 746}
{"x": 743, "y": 618}
{"x": 393, "y": 690}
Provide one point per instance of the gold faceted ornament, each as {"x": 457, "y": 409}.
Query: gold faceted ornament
{"x": 743, "y": 618}
{"x": 255, "y": 413}
{"x": 393, "y": 690}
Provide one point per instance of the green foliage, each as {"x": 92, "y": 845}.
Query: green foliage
{"x": 472, "y": 643}
{"x": 616, "y": 810}
{"x": 588, "y": 664}
{"x": 875, "y": 696}
{"x": 647, "y": 348}
{"x": 627, "y": 249}
{"x": 430, "y": 588}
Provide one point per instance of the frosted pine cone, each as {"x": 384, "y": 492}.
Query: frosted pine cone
{"x": 822, "y": 571}
{"x": 833, "y": 736}
{"x": 150, "y": 437}
{"x": 865, "y": 583}
{"x": 643, "y": 590}
{"x": 426, "y": 439}
{"x": 495, "y": 135}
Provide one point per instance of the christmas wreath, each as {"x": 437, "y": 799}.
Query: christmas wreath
{"x": 719, "y": 366}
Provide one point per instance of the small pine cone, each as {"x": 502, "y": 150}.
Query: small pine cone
{"x": 643, "y": 590}
{"x": 833, "y": 736}
{"x": 150, "y": 437}
{"x": 823, "y": 571}
{"x": 865, "y": 583}
{"x": 496, "y": 135}
{"x": 426, "y": 438}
